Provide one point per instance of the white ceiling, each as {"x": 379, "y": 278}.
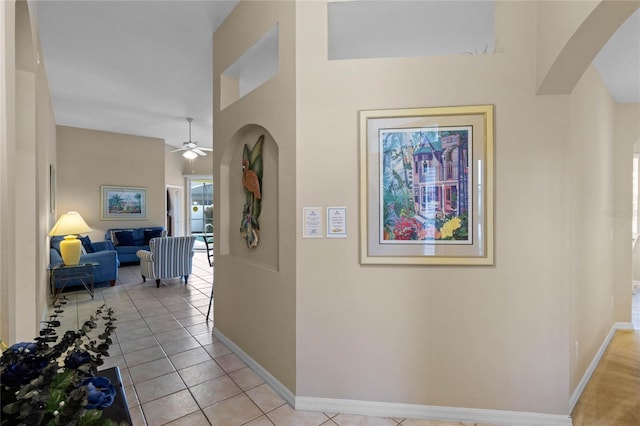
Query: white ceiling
{"x": 133, "y": 67}
{"x": 142, "y": 67}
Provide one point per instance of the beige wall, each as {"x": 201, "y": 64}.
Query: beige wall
{"x": 590, "y": 223}
{"x": 499, "y": 337}
{"x": 7, "y": 177}
{"x": 630, "y": 116}
{"x": 557, "y": 22}
{"x": 255, "y": 288}
{"x": 173, "y": 167}
{"x": 445, "y": 336}
{"x": 46, "y": 158}
{"x": 25, "y": 169}
{"x": 88, "y": 159}
{"x": 26, "y": 116}
{"x": 627, "y": 137}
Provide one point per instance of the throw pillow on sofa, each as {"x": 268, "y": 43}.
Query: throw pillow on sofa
{"x": 152, "y": 233}
{"x": 125, "y": 238}
{"x": 86, "y": 244}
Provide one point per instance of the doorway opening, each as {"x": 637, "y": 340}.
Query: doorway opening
{"x": 200, "y": 223}
{"x": 200, "y": 211}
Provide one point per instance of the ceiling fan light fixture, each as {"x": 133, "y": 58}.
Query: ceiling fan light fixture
{"x": 190, "y": 149}
{"x": 190, "y": 155}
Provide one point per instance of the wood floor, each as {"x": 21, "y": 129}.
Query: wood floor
{"x": 612, "y": 396}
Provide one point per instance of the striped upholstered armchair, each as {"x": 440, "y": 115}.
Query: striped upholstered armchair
{"x": 167, "y": 257}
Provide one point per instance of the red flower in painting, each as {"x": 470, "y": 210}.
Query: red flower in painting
{"x": 406, "y": 228}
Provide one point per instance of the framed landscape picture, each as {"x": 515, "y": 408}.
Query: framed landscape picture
{"x": 123, "y": 203}
{"x": 426, "y": 186}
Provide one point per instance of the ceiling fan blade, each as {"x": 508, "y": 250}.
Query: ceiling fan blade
{"x": 178, "y": 149}
{"x": 206, "y": 149}
{"x": 199, "y": 151}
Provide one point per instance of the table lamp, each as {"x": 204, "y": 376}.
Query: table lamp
{"x": 70, "y": 224}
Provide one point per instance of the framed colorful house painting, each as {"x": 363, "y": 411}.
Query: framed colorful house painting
{"x": 426, "y": 186}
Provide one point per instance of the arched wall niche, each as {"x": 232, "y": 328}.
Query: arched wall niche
{"x": 232, "y": 199}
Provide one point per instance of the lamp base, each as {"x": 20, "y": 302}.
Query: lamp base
{"x": 70, "y": 250}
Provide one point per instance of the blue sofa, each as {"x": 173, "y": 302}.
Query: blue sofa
{"x": 127, "y": 241}
{"x": 101, "y": 252}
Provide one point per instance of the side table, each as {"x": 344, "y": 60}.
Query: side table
{"x": 118, "y": 412}
{"x": 64, "y": 273}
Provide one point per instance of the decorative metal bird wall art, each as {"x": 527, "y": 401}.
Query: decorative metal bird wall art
{"x": 252, "y": 184}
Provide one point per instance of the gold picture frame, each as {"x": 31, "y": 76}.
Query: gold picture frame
{"x": 426, "y": 186}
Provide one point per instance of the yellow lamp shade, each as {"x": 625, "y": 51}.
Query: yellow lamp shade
{"x": 70, "y": 224}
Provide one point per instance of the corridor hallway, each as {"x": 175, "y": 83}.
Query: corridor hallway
{"x": 176, "y": 373}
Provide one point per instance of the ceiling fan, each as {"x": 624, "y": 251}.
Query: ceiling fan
{"x": 190, "y": 148}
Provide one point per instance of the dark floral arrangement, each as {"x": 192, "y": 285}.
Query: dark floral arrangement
{"x": 59, "y": 384}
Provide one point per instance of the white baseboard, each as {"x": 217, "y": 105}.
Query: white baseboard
{"x": 388, "y": 409}
{"x": 275, "y": 384}
{"x": 575, "y": 396}
{"x": 414, "y": 411}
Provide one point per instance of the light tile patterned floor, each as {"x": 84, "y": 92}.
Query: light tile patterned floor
{"x": 176, "y": 373}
